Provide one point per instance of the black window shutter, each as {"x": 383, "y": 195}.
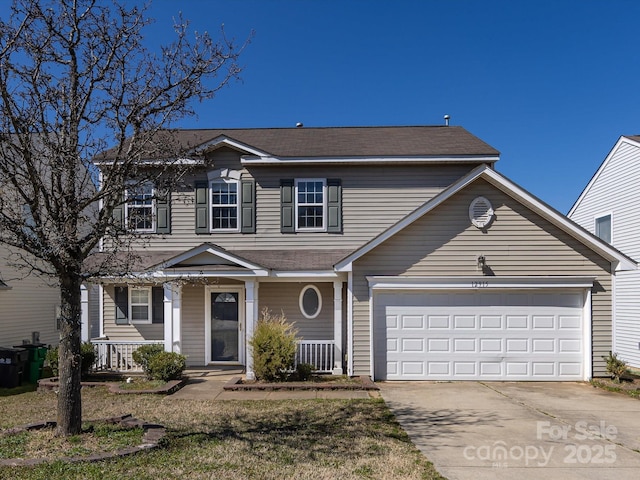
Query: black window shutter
{"x": 248, "y": 206}
{"x": 334, "y": 205}
{"x": 163, "y": 212}
{"x": 122, "y": 305}
{"x": 157, "y": 305}
{"x": 287, "y": 206}
{"x": 202, "y": 207}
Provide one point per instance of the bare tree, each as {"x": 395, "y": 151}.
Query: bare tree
{"x": 75, "y": 79}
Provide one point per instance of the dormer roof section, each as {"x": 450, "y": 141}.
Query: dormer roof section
{"x": 209, "y": 258}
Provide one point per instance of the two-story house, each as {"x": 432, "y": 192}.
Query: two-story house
{"x": 399, "y": 253}
{"x": 607, "y": 207}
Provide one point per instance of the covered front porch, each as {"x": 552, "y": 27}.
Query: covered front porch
{"x": 206, "y": 304}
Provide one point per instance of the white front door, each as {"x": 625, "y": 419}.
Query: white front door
{"x": 224, "y": 325}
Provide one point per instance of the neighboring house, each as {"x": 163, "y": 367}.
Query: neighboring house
{"x": 27, "y": 305}
{"x": 399, "y": 253}
{"x": 608, "y": 208}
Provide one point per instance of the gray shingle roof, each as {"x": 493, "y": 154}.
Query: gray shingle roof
{"x": 431, "y": 141}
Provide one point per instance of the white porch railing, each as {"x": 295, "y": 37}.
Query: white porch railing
{"x": 319, "y": 353}
{"x": 117, "y": 356}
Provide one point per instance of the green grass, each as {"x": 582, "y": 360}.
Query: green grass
{"x": 25, "y": 387}
{"x": 302, "y": 439}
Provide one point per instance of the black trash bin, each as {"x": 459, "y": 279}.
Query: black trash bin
{"x": 13, "y": 364}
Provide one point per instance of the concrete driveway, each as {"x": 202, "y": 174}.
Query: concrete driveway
{"x": 521, "y": 430}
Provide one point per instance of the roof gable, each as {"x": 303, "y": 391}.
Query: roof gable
{"x": 209, "y": 256}
{"x": 633, "y": 140}
{"x": 618, "y": 260}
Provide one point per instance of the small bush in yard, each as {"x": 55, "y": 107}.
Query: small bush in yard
{"x": 615, "y": 366}
{"x": 87, "y": 356}
{"x": 167, "y": 366}
{"x": 143, "y": 355}
{"x": 274, "y": 347}
{"x": 304, "y": 371}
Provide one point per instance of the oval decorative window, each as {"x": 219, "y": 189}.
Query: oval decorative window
{"x": 481, "y": 212}
{"x": 310, "y": 301}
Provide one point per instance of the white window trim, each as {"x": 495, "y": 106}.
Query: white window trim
{"x": 595, "y": 224}
{"x": 127, "y": 205}
{"x": 237, "y": 204}
{"x": 324, "y": 204}
{"x": 149, "y": 304}
{"x": 301, "y": 304}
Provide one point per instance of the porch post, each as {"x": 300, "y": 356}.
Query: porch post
{"x": 337, "y": 327}
{"x": 84, "y": 313}
{"x": 168, "y": 317}
{"x": 176, "y": 317}
{"x": 250, "y": 309}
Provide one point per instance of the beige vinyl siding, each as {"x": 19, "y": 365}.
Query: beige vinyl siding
{"x": 615, "y": 192}
{"x": 284, "y": 297}
{"x": 444, "y": 243}
{"x": 193, "y": 324}
{"x": 28, "y": 306}
{"x": 373, "y": 198}
{"x": 129, "y": 332}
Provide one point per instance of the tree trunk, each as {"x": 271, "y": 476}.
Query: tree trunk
{"x": 69, "y": 398}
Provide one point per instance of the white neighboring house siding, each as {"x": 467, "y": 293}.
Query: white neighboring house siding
{"x": 614, "y": 190}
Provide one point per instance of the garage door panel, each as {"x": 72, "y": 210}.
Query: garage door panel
{"x": 490, "y": 321}
{"x": 435, "y": 322}
{"x": 471, "y": 335}
{"x": 517, "y": 322}
{"x": 464, "y": 322}
{"x": 413, "y": 345}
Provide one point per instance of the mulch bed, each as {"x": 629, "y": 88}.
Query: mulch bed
{"x": 153, "y": 433}
{"x": 113, "y": 384}
{"x": 358, "y": 383}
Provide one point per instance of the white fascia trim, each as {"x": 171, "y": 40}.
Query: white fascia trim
{"x": 226, "y": 141}
{"x": 318, "y": 274}
{"x": 153, "y": 162}
{"x": 601, "y": 168}
{"x": 619, "y": 261}
{"x": 271, "y": 160}
{"x": 478, "y": 283}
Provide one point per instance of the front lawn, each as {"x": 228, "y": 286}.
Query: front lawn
{"x": 302, "y": 439}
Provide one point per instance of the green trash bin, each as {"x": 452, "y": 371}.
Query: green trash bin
{"x": 37, "y": 354}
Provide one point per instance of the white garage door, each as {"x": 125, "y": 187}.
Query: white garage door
{"x": 478, "y": 335}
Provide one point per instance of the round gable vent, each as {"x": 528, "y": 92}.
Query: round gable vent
{"x": 480, "y": 212}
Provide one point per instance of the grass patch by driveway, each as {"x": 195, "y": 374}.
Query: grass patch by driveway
{"x": 302, "y": 439}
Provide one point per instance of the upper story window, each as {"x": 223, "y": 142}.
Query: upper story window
{"x": 603, "y": 228}
{"x": 311, "y": 204}
{"x": 140, "y": 208}
{"x": 224, "y": 204}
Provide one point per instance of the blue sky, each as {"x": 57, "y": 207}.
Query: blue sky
{"x": 551, "y": 84}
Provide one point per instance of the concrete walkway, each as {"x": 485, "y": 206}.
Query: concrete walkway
{"x": 521, "y": 430}
{"x": 207, "y": 384}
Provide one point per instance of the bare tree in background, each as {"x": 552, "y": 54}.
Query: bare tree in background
{"x": 75, "y": 79}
